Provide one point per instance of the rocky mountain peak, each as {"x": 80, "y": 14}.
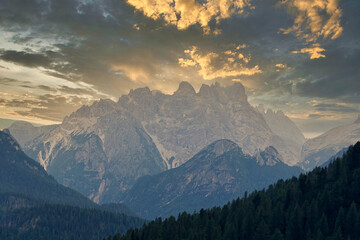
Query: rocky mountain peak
{"x": 221, "y": 146}
{"x": 236, "y": 92}
{"x": 185, "y": 88}
{"x": 269, "y": 157}
{"x": 358, "y": 119}
{"x": 97, "y": 109}
{"x": 140, "y": 92}
{"x": 205, "y": 91}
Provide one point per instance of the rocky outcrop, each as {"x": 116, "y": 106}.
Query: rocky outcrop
{"x": 99, "y": 150}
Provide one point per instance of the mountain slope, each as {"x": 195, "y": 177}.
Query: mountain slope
{"x": 99, "y": 150}
{"x": 24, "y": 132}
{"x": 214, "y": 176}
{"x": 21, "y": 175}
{"x": 5, "y": 123}
{"x": 318, "y": 150}
{"x": 59, "y": 222}
{"x": 282, "y": 125}
{"x": 34, "y": 206}
{"x": 185, "y": 122}
{"x": 290, "y": 137}
{"x": 323, "y": 204}
{"x": 102, "y": 149}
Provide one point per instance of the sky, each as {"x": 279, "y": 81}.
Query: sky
{"x": 298, "y": 56}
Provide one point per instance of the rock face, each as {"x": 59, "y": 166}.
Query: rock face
{"x": 24, "y": 132}
{"x": 183, "y": 123}
{"x": 99, "y": 150}
{"x": 280, "y": 124}
{"x": 21, "y": 175}
{"x": 319, "y": 150}
{"x": 290, "y": 138}
{"x": 214, "y": 176}
{"x": 102, "y": 149}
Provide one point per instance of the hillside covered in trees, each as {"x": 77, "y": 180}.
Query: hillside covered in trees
{"x": 60, "y": 222}
{"x": 322, "y": 204}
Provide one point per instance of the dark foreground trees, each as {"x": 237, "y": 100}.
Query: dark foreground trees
{"x": 323, "y": 204}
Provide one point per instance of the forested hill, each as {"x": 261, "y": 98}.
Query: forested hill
{"x": 323, "y": 204}
{"x": 21, "y": 175}
{"x": 61, "y": 222}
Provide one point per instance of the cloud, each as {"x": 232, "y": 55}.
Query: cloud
{"x": 47, "y": 107}
{"x": 335, "y": 107}
{"x": 184, "y": 13}
{"x": 213, "y": 65}
{"x": 281, "y": 66}
{"x": 106, "y": 45}
{"x": 24, "y": 58}
{"x": 11, "y": 81}
{"x": 314, "y": 20}
{"x": 315, "y": 51}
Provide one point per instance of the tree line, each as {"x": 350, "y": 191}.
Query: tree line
{"x": 321, "y": 204}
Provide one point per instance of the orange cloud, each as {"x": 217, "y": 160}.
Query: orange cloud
{"x": 315, "y": 51}
{"x": 281, "y": 66}
{"x": 184, "y": 13}
{"x": 314, "y": 19}
{"x": 212, "y": 65}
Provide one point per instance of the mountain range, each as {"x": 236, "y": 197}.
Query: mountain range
{"x": 102, "y": 149}
{"x": 321, "y": 204}
{"x": 217, "y": 174}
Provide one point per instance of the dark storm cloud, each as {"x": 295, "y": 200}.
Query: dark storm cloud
{"x": 335, "y": 76}
{"x": 24, "y": 58}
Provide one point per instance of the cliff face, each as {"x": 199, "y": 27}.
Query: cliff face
{"x": 183, "y": 123}
{"x": 99, "y": 151}
{"x": 102, "y": 149}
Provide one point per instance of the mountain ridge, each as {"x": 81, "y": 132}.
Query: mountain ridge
{"x": 21, "y": 175}
{"x": 147, "y": 132}
{"x": 321, "y": 204}
{"x": 317, "y": 151}
{"x": 212, "y": 177}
